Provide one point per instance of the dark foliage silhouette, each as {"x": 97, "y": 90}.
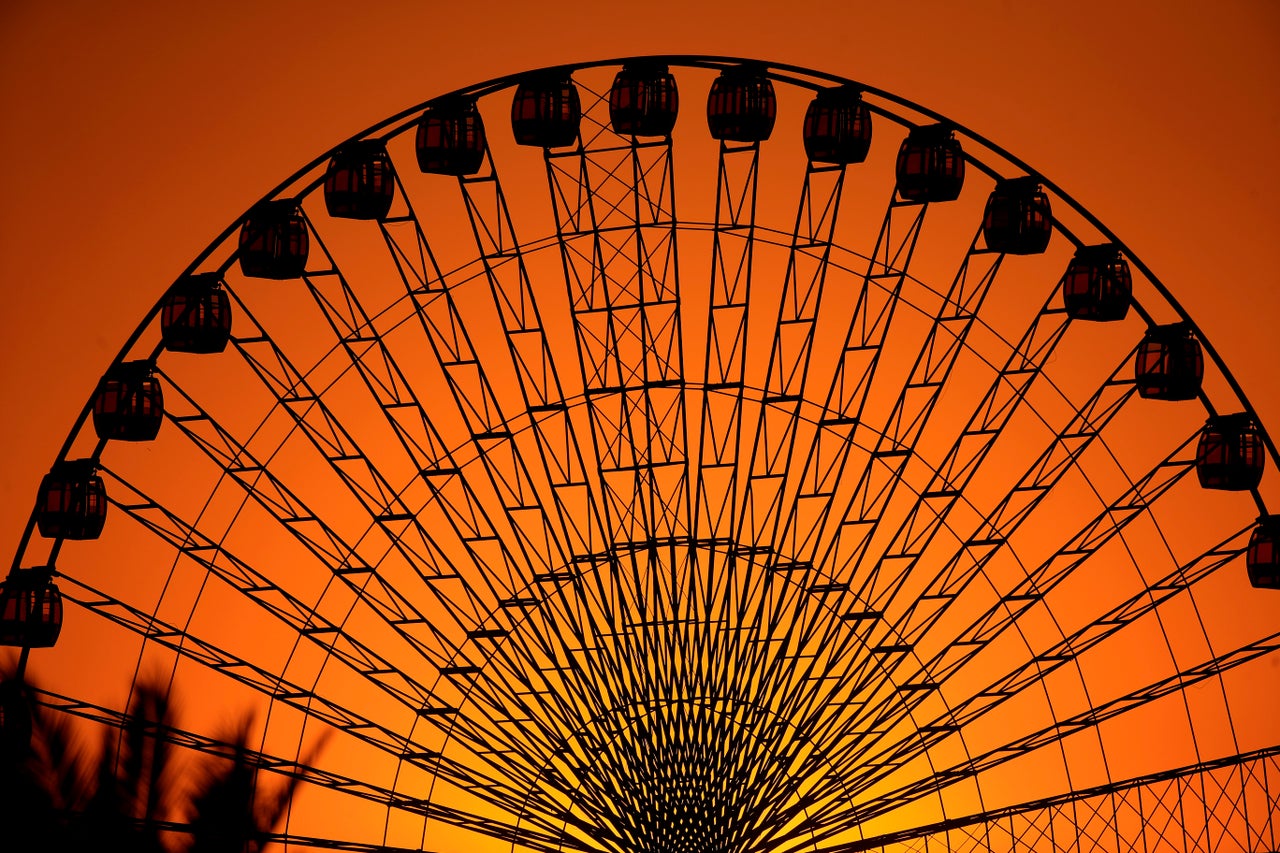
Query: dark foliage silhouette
{"x": 136, "y": 794}
{"x": 228, "y": 813}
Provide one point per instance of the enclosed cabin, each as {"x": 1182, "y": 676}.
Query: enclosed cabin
{"x": 30, "y": 609}
{"x": 128, "y": 405}
{"x": 274, "y": 241}
{"x": 450, "y": 139}
{"x": 1262, "y": 559}
{"x": 546, "y": 111}
{"x": 837, "y": 127}
{"x": 360, "y": 182}
{"x": 1230, "y": 454}
{"x": 72, "y": 501}
{"x": 1017, "y": 219}
{"x": 195, "y": 315}
{"x": 643, "y": 100}
{"x": 1097, "y": 285}
{"x": 930, "y": 165}
{"x": 742, "y": 106}
{"x": 1169, "y": 364}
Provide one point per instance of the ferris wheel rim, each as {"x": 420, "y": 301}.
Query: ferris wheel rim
{"x": 501, "y": 83}
{"x": 401, "y": 122}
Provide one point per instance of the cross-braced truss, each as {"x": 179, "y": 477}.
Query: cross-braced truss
{"x": 574, "y": 522}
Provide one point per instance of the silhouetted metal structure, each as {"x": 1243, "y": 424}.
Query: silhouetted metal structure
{"x": 274, "y": 241}
{"x": 1170, "y": 363}
{"x": 450, "y": 138}
{"x": 837, "y": 127}
{"x": 128, "y": 405}
{"x": 1017, "y": 220}
{"x": 1263, "y": 560}
{"x": 359, "y": 183}
{"x": 930, "y": 164}
{"x": 1230, "y": 454}
{"x": 30, "y": 609}
{"x": 545, "y": 111}
{"x": 1098, "y": 285}
{"x": 195, "y": 315}
{"x": 643, "y": 100}
{"x": 575, "y": 553}
{"x": 72, "y": 501}
{"x": 741, "y": 106}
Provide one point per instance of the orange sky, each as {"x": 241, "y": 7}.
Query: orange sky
{"x": 134, "y": 136}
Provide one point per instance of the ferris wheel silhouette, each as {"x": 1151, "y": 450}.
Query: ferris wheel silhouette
{"x": 865, "y": 500}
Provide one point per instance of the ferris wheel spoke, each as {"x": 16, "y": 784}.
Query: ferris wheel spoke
{"x": 1051, "y": 735}
{"x": 773, "y": 455}
{"x": 544, "y": 690}
{"x": 271, "y": 685}
{"x": 614, "y": 206}
{"x": 1035, "y": 669}
{"x": 533, "y": 686}
{"x": 719, "y": 430}
{"x": 966, "y": 643}
{"x": 533, "y": 529}
{"x": 502, "y": 577}
{"x": 1207, "y": 802}
{"x": 927, "y": 515}
{"x": 1136, "y": 501}
{"x": 864, "y": 512}
{"x": 1001, "y": 400}
{"x": 363, "y": 478}
{"x": 368, "y": 579}
{"x": 304, "y": 842}
{"x": 891, "y": 692}
{"x": 630, "y": 613}
{"x": 881, "y": 477}
{"x": 318, "y": 537}
{"x": 473, "y": 396}
{"x": 1087, "y": 423}
{"x": 1010, "y": 512}
{"x": 1039, "y": 667}
{"x": 798, "y": 536}
{"x": 773, "y": 447}
{"x": 535, "y": 537}
{"x": 537, "y": 841}
{"x": 559, "y": 447}
{"x": 368, "y": 351}
{"x": 621, "y": 661}
{"x": 305, "y": 773}
{"x": 263, "y": 592}
{"x": 578, "y": 680}
{"x": 754, "y": 754}
{"x": 992, "y": 535}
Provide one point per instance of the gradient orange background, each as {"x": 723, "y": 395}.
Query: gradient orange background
{"x": 132, "y": 137}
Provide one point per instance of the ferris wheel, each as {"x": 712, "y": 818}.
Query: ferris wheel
{"x": 874, "y": 496}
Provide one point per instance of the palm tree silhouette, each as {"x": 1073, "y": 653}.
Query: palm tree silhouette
{"x": 228, "y": 813}
{"x": 134, "y": 779}
{"x": 53, "y": 798}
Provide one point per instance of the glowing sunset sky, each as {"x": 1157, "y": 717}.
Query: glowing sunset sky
{"x": 133, "y": 136}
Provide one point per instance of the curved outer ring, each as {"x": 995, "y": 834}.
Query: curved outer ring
{"x": 791, "y": 74}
